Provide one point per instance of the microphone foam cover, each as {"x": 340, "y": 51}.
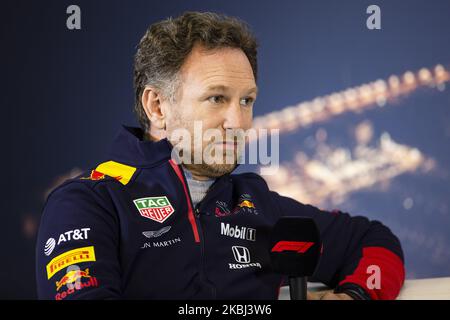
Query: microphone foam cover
{"x": 295, "y": 246}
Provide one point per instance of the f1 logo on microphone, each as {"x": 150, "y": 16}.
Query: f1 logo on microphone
{"x": 298, "y": 246}
{"x": 241, "y": 254}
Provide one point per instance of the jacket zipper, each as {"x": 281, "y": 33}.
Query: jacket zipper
{"x": 195, "y": 226}
{"x": 202, "y": 252}
{"x": 191, "y": 217}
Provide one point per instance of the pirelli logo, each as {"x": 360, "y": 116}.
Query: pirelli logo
{"x": 68, "y": 258}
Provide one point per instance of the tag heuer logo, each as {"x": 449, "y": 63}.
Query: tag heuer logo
{"x": 155, "y": 208}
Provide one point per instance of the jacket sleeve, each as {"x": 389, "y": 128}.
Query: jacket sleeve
{"x": 357, "y": 254}
{"x": 77, "y": 246}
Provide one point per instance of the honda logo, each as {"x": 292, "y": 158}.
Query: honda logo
{"x": 241, "y": 254}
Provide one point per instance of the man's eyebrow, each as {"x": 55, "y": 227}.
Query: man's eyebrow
{"x": 217, "y": 88}
{"x": 225, "y": 89}
{"x": 254, "y": 89}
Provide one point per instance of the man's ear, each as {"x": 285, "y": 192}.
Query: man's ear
{"x": 151, "y": 101}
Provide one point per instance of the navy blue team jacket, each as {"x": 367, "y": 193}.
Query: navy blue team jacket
{"x": 127, "y": 230}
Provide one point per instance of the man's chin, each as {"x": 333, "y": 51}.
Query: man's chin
{"x": 211, "y": 170}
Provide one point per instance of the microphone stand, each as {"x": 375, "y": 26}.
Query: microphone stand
{"x": 297, "y": 288}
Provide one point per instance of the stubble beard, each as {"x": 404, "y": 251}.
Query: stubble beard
{"x": 223, "y": 164}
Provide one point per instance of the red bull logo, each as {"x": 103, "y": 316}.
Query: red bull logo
{"x": 115, "y": 170}
{"x": 72, "y": 277}
{"x": 93, "y": 282}
{"x": 95, "y": 175}
{"x": 246, "y": 204}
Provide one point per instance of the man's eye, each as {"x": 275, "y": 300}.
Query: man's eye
{"x": 247, "y": 101}
{"x": 216, "y": 99}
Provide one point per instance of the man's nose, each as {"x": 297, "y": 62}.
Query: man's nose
{"x": 234, "y": 118}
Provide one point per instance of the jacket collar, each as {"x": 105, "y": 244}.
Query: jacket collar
{"x": 129, "y": 148}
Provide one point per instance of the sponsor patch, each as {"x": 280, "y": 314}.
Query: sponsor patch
{"x": 68, "y": 258}
{"x": 72, "y": 277}
{"x": 92, "y": 282}
{"x": 115, "y": 170}
{"x": 155, "y": 208}
{"x": 161, "y": 244}
{"x": 75, "y": 234}
{"x": 245, "y": 204}
{"x": 237, "y": 232}
{"x": 242, "y": 256}
{"x": 157, "y": 233}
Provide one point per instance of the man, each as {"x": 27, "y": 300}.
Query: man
{"x": 141, "y": 225}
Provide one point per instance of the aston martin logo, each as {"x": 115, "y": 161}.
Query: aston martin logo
{"x": 157, "y": 233}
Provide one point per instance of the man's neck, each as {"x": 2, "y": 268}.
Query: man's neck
{"x": 154, "y": 134}
{"x": 197, "y": 187}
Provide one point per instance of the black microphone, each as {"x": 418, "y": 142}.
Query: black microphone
{"x": 295, "y": 249}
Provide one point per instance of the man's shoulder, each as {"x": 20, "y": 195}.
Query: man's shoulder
{"x": 247, "y": 177}
{"x": 107, "y": 172}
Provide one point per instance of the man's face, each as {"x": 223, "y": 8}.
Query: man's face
{"x": 218, "y": 90}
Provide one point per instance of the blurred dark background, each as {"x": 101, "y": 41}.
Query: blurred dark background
{"x": 65, "y": 93}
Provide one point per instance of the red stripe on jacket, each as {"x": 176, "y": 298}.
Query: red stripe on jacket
{"x": 186, "y": 193}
